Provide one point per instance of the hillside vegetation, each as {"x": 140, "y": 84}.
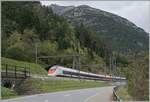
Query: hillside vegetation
{"x": 34, "y": 68}
{"x": 7, "y": 93}
{"x": 26, "y": 25}
{"x": 138, "y": 77}
{"x": 123, "y": 94}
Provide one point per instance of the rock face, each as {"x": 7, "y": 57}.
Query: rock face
{"x": 60, "y": 9}
{"x": 121, "y": 34}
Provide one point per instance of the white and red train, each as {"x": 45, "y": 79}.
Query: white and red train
{"x": 60, "y": 71}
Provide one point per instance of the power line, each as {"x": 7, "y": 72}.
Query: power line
{"x": 57, "y": 56}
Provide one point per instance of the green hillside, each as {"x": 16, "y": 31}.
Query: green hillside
{"x": 34, "y": 68}
{"x": 26, "y": 25}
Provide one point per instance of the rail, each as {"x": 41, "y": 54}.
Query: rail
{"x": 14, "y": 71}
{"x": 115, "y": 96}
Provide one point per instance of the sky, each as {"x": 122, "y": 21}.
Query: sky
{"x": 137, "y": 12}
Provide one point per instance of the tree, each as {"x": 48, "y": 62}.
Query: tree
{"x": 138, "y": 76}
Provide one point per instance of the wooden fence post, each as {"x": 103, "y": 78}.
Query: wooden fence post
{"x": 15, "y": 72}
{"x": 25, "y": 72}
{"x": 6, "y": 70}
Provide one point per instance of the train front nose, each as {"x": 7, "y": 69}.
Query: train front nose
{"x": 51, "y": 72}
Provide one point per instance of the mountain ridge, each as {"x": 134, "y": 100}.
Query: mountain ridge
{"x": 108, "y": 26}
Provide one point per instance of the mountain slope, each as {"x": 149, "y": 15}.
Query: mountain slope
{"x": 121, "y": 34}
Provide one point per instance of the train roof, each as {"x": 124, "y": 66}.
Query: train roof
{"x": 73, "y": 70}
{"x": 61, "y": 67}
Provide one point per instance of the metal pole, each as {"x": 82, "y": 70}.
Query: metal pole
{"x": 110, "y": 64}
{"x": 78, "y": 59}
{"x": 79, "y": 65}
{"x": 105, "y": 68}
{"x": 105, "y": 63}
{"x": 73, "y": 63}
{"x": 36, "y": 52}
{"x": 115, "y": 66}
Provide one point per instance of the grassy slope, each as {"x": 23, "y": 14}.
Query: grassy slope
{"x": 7, "y": 93}
{"x": 123, "y": 94}
{"x": 34, "y": 68}
{"x": 34, "y": 86}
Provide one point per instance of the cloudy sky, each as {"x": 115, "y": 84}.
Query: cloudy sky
{"x": 136, "y": 11}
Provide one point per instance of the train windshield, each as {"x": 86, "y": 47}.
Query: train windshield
{"x": 53, "y": 68}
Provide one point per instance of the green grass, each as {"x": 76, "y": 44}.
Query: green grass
{"x": 123, "y": 94}
{"x": 34, "y": 86}
{"x": 34, "y": 68}
{"x": 7, "y": 93}
{"x": 37, "y": 86}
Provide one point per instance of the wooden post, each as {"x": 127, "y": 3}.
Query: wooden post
{"x": 25, "y": 72}
{"x": 6, "y": 70}
{"x": 15, "y": 72}
{"x": 29, "y": 71}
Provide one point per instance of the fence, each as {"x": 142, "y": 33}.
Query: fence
{"x": 13, "y": 71}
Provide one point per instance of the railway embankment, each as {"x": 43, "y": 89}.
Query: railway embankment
{"x": 39, "y": 82}
{"x": 12, "y": 72}
{"x": 37, "y": 86}
{"x": 33, "y": 86}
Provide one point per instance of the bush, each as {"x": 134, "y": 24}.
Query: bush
{"x": 7, "y": 93}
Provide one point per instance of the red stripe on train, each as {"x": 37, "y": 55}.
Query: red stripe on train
{"x": 51, "y": 71}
